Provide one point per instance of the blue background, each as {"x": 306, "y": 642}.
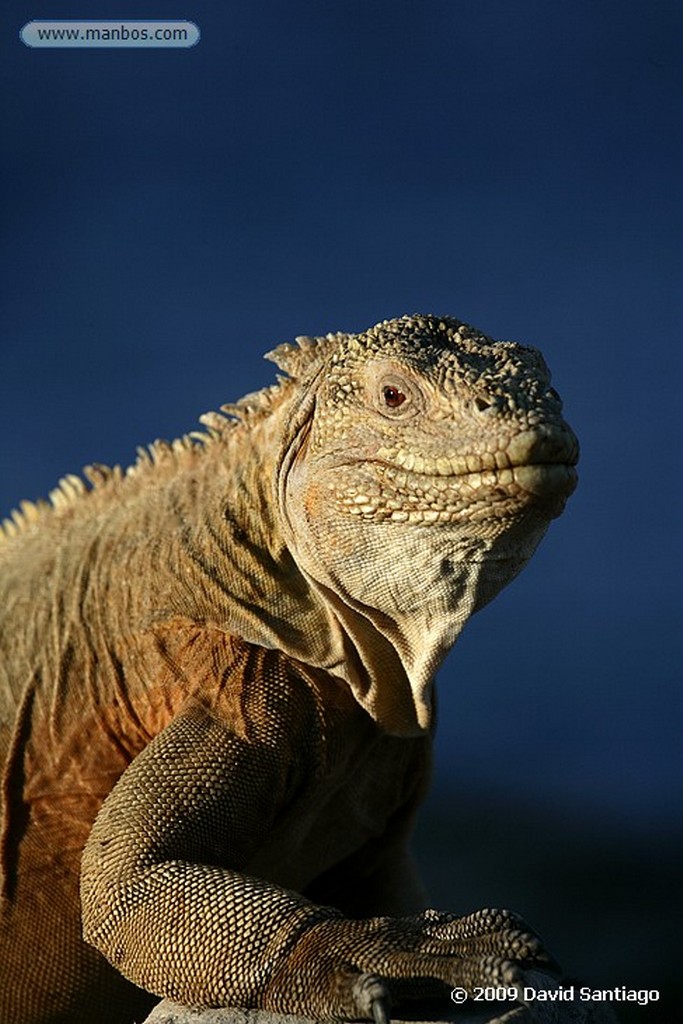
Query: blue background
{"x": 171, "y": 214}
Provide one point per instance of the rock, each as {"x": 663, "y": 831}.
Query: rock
{"x": 422, "y": 1013}
{"x": 546, "y": 1008}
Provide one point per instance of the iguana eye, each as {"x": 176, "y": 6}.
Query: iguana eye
{"x": 394, "y": 393}
{"x": 393, "y": 396}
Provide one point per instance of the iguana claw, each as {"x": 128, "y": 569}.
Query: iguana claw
{"x": 371, "y": 998}
{"x": 380, "y": 1010}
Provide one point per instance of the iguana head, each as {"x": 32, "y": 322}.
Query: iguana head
{"x": 423, "y": 468}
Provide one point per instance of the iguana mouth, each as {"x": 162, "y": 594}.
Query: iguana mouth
{"x": 536, "y": 478}
{"x": 541, "y": 479}
{"x": 406, "y": 495}
{"x": 534, "y": 467}
{"x": 539, "y": 449}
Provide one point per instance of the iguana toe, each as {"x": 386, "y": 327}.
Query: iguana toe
{"x": 371, "y": 999}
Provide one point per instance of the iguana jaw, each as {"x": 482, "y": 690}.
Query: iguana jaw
{"x": 535, "y": 469}
{"x": 544, "y": 446}
{"x": 398, "y": 584}
{"x": 476, "y": 496}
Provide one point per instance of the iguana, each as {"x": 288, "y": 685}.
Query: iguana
{"x": 216, "y": 685}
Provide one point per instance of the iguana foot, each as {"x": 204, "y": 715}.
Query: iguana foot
{"x": 355, "y": 969}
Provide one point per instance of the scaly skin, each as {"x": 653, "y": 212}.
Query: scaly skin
{"x": 216, "y": 681}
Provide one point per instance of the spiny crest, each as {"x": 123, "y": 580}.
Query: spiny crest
{"x": 21, "y": 518}
{"x": 307, "y": 354}
{"x": 69, "y": 490}
{"x": 72, "y": 489}
{"x": 256, "y": 404}
{"x": 299, "y": 361}
{"x": 169, "y": 454}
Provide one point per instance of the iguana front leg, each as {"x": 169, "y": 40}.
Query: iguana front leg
{"x": 165, "y": 901}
